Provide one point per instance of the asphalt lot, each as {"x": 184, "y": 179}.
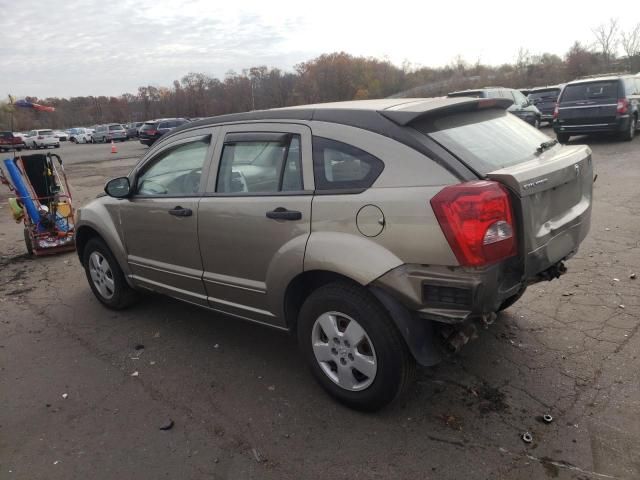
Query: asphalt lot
{"x": 245, "y": 407}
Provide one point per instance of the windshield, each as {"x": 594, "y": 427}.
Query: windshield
{"x": 590, "y": 91}
{"x": 485, "y": 140}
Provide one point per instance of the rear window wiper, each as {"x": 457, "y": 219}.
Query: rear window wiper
{"x": 546, "y": 145}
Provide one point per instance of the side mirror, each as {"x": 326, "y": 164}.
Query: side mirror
{"x": 118, "y": 187}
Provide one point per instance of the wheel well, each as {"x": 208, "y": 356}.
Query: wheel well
{"x": 83, "y": 235}
{"x": 301, "y": 287}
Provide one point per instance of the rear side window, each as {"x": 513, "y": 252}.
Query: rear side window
{"x": 590, "y": 91}
{"x": 260, "y": 163}
{"x": 46, "y": 132}
{"x": 339, "y": 166}
{"x": 485, "y": 140}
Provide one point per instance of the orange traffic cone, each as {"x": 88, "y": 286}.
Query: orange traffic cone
{"x": 113, "y": 147}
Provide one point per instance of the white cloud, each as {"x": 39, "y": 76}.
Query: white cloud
{"x": 93, "y": 47}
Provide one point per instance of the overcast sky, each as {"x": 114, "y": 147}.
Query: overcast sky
{"x": 108, "y": 47}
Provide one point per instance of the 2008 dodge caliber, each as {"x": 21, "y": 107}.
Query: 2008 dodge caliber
{"x": 371, "y": 229}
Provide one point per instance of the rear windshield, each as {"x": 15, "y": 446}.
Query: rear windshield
{"x": 544, "y": 94}
{"x": 485, "y": 140}
{"x": 590, "y": 91}
{"x": 148, "y": 126}
{"x": 115, "y": 127}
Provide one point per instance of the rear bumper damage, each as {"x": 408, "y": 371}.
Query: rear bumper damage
{"x": 440, "y": 309}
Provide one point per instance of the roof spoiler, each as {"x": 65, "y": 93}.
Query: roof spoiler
{"x": 409, "y": 113}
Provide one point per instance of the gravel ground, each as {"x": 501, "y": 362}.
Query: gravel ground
{"x": 243, "y": 405}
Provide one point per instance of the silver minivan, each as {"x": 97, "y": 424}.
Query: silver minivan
{"x": 109, "y": 132}
{"x": 381, "y": 233}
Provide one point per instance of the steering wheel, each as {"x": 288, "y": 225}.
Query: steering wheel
{"x": 191, "y": 181}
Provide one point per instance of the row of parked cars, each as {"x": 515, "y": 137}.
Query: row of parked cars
{"x": 594, "y": 104}
{"x": 147, "y": 132}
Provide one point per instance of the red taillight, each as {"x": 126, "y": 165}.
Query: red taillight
{"x": 623, "y": 106}
{"x": 556, "y": 112}
{"x": 477, "y": 221}
{"x": 151, "y": 132}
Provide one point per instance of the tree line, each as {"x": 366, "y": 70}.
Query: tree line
{"x": 332, "y": 77}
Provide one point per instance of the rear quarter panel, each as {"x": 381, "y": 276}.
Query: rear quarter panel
{"x": 410, "y": 232}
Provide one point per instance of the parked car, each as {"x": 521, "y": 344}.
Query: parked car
{"x": 521, "y": 107}
{"x": 109, "y": 132}
{"x": 80, "y": 135}
{"x": 60, "y": 135}
{"x": 598, "y": 104}
{"x": 9, "y": 141}
{"x": 545, "y": 99}
{"x": 152, "y": 130}
{"x": 41, "y": 139}
{"x": 132, "y": 129}
{"x": 371, "y": 229}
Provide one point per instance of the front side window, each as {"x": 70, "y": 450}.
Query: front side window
{"x": 340, "y": 166}
{"x": 260, "y": 163}
{"x": 175, "y": 172}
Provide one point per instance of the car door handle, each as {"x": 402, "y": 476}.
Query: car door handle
{"x": 282, "y": 213}
{"x": 181, "y": 212}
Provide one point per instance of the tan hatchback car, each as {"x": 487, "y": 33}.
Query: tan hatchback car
{"x": 379, "y": 231}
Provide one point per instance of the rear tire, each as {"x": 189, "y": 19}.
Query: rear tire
{"x": 105, "y": 276}
{"x": 631, "y": 130}
{"x": 563, "y": 137}
{"x": 379, "y": 350}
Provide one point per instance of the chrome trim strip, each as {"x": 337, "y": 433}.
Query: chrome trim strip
{"x": 235, "y": 282}
{"x": 168, "y": 287}
{"x": 588, "y": 125}
{"x": 164, "y": 270}
{"x": 241, "y": 307}
{"x": 589, "y": 106}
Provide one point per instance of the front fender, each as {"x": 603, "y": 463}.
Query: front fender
{"x": 355, "y": 257}
{"x": 102, "y": 216}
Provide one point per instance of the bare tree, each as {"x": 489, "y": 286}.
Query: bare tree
{"x": 607, "y": 39}
{"x": 631, "y": 45}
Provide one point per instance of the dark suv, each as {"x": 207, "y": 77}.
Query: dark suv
{"x": 598, "y": 104}
{"x": 521, "y": 106}
{"x": 545, "y": 98}
{"x": 152, "y": 130}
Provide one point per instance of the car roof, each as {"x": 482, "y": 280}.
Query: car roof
{"x": 548, "y": 87}
{"x": 371, "y": 115}
{"x": 605, "y": 78}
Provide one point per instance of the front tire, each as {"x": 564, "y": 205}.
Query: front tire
{"x": 105, "y": 276}
{"x": 353, "y": 347}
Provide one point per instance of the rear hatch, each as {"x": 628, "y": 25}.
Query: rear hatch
{"x": 148, "y": 130}
{"x": 551, "y": 188}
{"x": 545, "y": 100}
{"x": 589, "y": 103}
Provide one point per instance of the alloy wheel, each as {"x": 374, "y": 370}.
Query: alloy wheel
{"x": 344, "y": 351}
{"x": 101, "y": 275}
